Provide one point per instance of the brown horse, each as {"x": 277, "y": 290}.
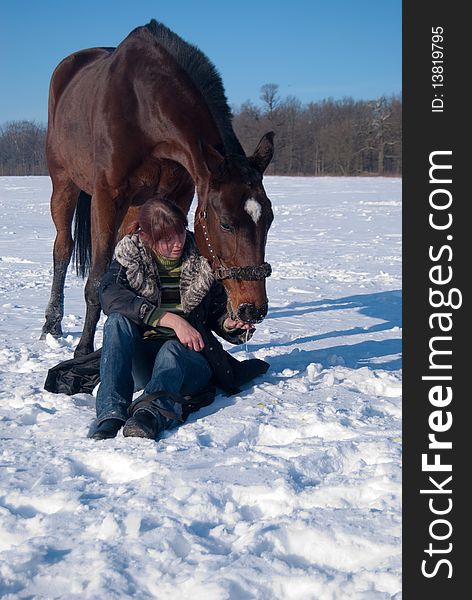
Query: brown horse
{"x": 149, "y": 119}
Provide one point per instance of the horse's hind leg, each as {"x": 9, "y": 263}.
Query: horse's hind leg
{"x": 106, "y": 216}
{"x": 63, "y": 203}
{"x": 92, "y": 314}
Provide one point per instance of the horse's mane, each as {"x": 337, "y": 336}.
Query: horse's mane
{"x": 204, "y": 76}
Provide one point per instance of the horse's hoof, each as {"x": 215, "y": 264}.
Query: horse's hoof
{"x": 54, "y": 331}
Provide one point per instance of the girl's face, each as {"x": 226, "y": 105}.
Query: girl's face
{"x": 171, "y": 245}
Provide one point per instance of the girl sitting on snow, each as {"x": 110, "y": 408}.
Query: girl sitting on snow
{"x": 163, "y": 304}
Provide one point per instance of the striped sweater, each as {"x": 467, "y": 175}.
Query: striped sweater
{"x": 169, "y": 275}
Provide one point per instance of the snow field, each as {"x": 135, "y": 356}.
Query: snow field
{"x": 290, "y": 489}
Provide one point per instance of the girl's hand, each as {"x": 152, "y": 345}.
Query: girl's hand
{"x": 187, "y": 335}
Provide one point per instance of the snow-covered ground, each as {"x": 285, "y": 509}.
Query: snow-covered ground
{"x": 289, "y": 490}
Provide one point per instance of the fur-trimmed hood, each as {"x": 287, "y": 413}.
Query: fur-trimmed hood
{"x": 143, "y": 276}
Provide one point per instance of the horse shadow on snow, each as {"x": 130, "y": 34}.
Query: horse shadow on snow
{"x": 385, "y": 306}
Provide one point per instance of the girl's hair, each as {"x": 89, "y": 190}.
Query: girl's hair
{"x": 160, "y": 217}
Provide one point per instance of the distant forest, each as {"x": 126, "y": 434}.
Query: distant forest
{"x": 330, "y": 137}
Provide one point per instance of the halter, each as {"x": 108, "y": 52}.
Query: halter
{"x": 251, "y": 273}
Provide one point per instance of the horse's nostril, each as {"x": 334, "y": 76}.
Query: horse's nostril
{"x": 250, "y": 314}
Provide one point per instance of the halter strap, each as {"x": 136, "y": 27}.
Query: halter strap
{"x": 220, "y": 272}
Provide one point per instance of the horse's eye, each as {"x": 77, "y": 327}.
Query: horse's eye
{"x": 226, "y": 227}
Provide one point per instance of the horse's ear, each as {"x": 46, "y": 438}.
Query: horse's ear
{"x": 263, "y": 153}
{"x": 213, "y": 159}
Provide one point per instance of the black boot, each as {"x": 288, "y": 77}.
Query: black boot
{"x": 107, "y": 429}
{"x": 142, "y": 424}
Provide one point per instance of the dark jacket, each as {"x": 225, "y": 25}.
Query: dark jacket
{"x": 205, "y": 302}
{"x": 117, "y": 295}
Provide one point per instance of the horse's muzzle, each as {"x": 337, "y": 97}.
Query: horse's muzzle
{"x": 250, "y": 314}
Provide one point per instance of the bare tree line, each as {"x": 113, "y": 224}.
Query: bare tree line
{"x": 22, "y": 148}
{"x": 329, "y": 137}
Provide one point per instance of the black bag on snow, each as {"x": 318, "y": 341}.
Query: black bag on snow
{"x": 75, "y": 375}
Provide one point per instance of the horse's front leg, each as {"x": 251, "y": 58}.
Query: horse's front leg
{"x": 107, "y": 215}
{"x": 63, "y": 203}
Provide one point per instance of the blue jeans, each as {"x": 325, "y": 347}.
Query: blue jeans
{"x": 129, "y": 362}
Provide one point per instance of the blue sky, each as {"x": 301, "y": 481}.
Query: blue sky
{"x": 313, "y": 49}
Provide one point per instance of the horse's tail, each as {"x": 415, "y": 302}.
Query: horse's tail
{"x": 82, "y": 235}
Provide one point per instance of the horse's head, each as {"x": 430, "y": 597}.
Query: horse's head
{"x": 231, "y": 226}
